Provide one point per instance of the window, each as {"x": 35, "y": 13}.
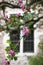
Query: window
{"x": 28, "y": 45}
{"x": 25, "y": 46}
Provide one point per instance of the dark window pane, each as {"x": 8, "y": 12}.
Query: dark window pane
{"x": 29, "y": 43}
{"x": 14, "y": 36}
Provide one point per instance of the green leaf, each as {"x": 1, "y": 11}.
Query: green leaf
{"x": 30, "y": 16}
{"x": 7, "y": 48}
{"x": 12, "y": 16}
{"x": 10, "y": 25}
{"x": 15, "y": 58}
{"x": 36, "y": 60}
{"x": 9, "y": 41}
{"x": 13, "y": 46}
{"x": 16, "y": 51}
{"x": 9, "y": 57}
{"x": 41, "y": 45}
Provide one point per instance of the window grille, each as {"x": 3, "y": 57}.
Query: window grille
{"x": 28, "y": 45}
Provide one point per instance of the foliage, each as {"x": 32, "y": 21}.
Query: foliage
{"x": 15, "y": 20}
{"x": 41, "y": 45}
{"x": 1, "y": 28}
{"x": 36, "y": 60}
{"x": 12, "y": 47}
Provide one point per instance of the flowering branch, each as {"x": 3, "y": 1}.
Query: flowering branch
{"x": 14, "y": 21}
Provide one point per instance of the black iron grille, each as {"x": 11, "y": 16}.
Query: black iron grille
{"x": 28, "y": 45}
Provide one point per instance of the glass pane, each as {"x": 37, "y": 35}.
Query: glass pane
{"x": 14, "y": 36}
{"x": 29, "y": 43}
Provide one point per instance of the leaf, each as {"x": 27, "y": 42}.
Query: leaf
{"x": 9, "y": 25}
{"x": 13, "y": 46}
{"x": 15, "y": 58}
{"x": 12, "y": 16}
{"x": 36, "y": 60}
{"x": 9, "y": 41}
{"x": 30, "y": 16}
{"x": 9, "y": 57}
{"x": 16, "y": 51}
{"x": 7, "y": 48}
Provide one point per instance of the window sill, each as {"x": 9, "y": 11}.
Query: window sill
{"x": 25, "y": 54}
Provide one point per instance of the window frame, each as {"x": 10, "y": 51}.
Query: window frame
{"x": 21, "y": 53}
{"x": 21, "y": 41}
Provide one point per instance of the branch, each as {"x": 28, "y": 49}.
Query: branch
{"x": 32, "y": 22}
{"x": 6, "y": 4}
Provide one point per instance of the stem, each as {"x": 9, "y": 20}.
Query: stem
{"x": 18, "y": 42}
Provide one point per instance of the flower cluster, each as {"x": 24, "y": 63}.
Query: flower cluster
{"x": 6, "y": 62}
{"x": 11, "y": 52}
{"x": 19, "y": 1}
{"x": 25, "y": 31}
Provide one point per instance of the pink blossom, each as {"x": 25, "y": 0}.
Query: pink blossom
{"x": 1, "y": 0}
{"x": 22, "y": 7}
{"x": 17, "y": 15}
{"x": 8, "y": 19}
{"x": 28, "y": 7}
{"x": 11, "y": 52}
{"x": 19, "y": 1}
{"x": 5, "y": 17}
{"x": 5, "y": 62}
{"x": 25, "y": 31}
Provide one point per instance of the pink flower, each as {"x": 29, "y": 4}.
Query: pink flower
{"x": 11, "y": 52}
{"x": 17, "y": 15}
{"x": 19, "y": 1}
{"x": 25, "y": 31}
{"x": 5, "y": 62}
{"x": 22, "y": 7}
{"x": 5, "y": 17}
{"x": 28, "y": 8}
{"x": 8, "y": 19}
{"x": 1, "y": 0}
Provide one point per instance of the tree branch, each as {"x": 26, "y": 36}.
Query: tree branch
{"x": 32, "y": 22}
{"x": 6, "y": 4}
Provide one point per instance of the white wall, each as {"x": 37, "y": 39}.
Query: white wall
{"x": 9, "y": 11}
{"x": 37, "y": 31}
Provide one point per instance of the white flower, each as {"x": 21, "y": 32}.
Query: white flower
{"x": 32, "y": 11}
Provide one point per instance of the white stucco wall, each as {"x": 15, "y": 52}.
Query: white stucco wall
{"x": 37, "y": 33}
{"x": 9, "y": 11}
